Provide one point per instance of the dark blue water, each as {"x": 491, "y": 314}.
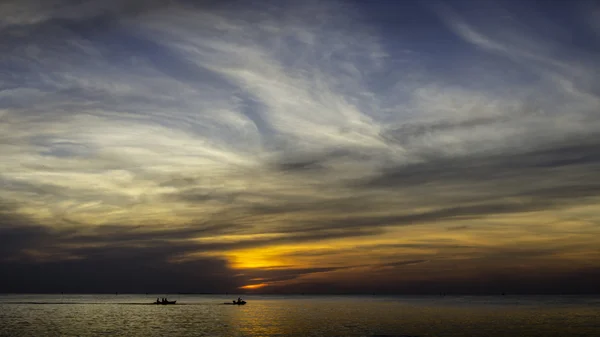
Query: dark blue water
{"x": 204, "y": 315}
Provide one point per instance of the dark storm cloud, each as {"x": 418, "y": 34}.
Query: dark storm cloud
{"x": 18, "y": 233}
{"x": 15, "y": 238}
{"x": 123, "y": 270}
{"x": 125, "y": 263}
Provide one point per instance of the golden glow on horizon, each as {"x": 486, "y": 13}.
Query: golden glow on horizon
{"x": 265, "y": 257}
{"x": 254, "y": 286}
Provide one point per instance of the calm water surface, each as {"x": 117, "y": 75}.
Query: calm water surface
{"x": 202, "y": 315}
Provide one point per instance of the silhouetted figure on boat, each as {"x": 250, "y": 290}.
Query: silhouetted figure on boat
{"x": 164, "y": 301}
{"x": 239, "y": 301}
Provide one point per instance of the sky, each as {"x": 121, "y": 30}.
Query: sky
{"x": 300, "y": 146}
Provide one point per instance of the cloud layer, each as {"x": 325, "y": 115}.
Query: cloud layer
{"x": 298, "y": 146}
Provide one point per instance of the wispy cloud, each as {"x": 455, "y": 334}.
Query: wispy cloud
{"x": 216, "y": 130}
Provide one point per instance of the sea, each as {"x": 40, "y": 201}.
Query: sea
{"x": 206, "y": 315}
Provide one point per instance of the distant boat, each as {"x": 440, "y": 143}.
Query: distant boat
{"x": 236, "y": 302}
{"x": 165, "y": 302}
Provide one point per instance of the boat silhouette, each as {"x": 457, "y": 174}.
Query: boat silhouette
{"x": 164, "y": 302}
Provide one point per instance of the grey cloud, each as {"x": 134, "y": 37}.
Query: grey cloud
{"x": 132, "y": 270}
{"x": 486, "y": 184}
{"x": 31, "y": 12}
{"x": 16, "y": 238}
{"x": 405, "y": 133}
{"x": 313, "y": 162}
{"x": 125, "y": 259}
{"x": 355, "y": 220}
{"x": 449, "y": 247}
{"x": 20, "y": 234}
{"x": 403, "y": 263}
{"x": 179, "y": 239}
{"x": 580, "y": 281}
{"x": 197, "y": 195}
{"x": 121, "y": 263}
{"x": 286, "y": 273}
{"x": 457, "y": 228}
{"x": 114, "y": 233}
{"x": 566, "y": 169}
{"x": 300, "y": 165}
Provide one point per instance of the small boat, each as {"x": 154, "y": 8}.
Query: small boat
{"x": 165, "y": 302}
{"x": 235, "y": 303}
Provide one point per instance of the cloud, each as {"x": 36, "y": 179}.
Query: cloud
{"x": 215, "y": 131}
{"x": 576, "y": 155}
{"x": 103, "y": 260}
{"x": 120, "y": 271}
{"x": 565, "y": 65}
